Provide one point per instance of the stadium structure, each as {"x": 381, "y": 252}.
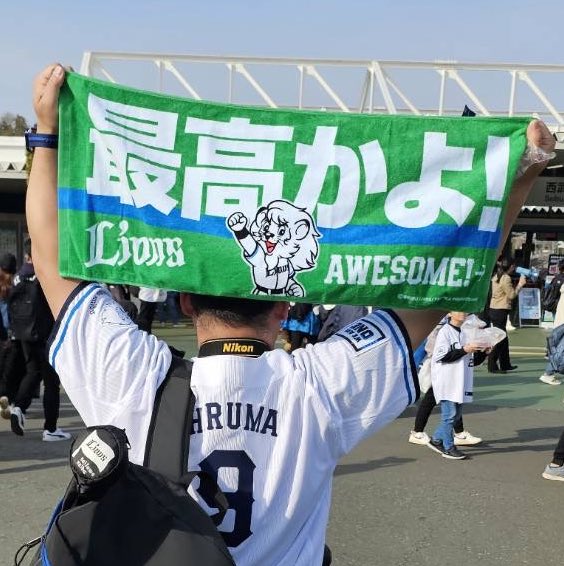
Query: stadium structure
{"x": 440, "y": 88}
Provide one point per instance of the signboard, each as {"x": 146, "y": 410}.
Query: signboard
{"x": 529, "y": 306}
{"x": 553, "y": 260}
{"x": 547, "y": 191}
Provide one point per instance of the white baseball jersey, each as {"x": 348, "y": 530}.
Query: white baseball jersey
{"x": 451, "y": 381}
{"x": 271, "y": 429}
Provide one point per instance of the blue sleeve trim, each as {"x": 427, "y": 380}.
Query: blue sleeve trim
{"x": 63, "y": 311}
{"x": 56, "y": 349}
{"x": 408, "y": 361}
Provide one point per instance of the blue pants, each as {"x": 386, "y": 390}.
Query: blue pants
{"x": 549, "y": 370}
{"x": 450, "y": 411}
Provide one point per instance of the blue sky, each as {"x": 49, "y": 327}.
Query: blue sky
{"x": 35, "y": 33}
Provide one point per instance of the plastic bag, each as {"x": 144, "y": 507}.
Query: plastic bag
{"x": 424, "y": 375}
{"x": 472, "y": 331}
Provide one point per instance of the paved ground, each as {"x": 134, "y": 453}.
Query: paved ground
{"x": 394, "y": 504}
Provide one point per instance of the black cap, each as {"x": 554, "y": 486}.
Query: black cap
{"x": 8, "y": 263}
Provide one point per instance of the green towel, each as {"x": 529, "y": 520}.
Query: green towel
{"x": 321, "y": 207}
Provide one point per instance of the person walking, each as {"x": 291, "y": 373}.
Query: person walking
{"x": 31, "y": 323}
{"x": 502, "y": 295}
{"x": 452, "y": 376}
{"x": 419, "y": 436}
{"x": 149, "y": 300}
{"x": 555, "y": 468}
{"x": 7, "y": 272}
{"x": 557, "y": 288}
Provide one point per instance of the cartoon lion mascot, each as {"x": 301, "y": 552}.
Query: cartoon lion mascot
{"x": 281, "y": 240}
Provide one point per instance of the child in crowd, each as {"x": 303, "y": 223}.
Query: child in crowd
{"x": 428, "y": 402}
{"x": 452, "y": 377}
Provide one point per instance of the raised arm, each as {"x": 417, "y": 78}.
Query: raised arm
{"x": 420, "y": 323}
{"x": 41, "y": 198}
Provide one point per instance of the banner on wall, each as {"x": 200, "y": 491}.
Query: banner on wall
{"x": 397, "y": 211}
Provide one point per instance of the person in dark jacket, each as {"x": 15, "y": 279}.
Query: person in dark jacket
{"x": 7, "y": 351}
{"x": 31, "y": 323}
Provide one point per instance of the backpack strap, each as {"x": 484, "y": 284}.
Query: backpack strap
{"x": 168, "y": 439}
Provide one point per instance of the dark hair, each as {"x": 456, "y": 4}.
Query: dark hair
{"x": 8, "y": 263}
{"x": 561, "y": 265}
{"x": 503, "y": 267}
{"x": 231, "y": 311}
{"x": 27, "y": 247}
{"x": 6, "y": 279}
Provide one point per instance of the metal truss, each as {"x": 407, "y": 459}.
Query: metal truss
{"x": 365, "y": 86}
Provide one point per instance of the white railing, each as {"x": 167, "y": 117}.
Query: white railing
{"x": 12, "y": 156}
{"x": 393, "y": 87}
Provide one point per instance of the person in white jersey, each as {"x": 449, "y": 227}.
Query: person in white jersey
{"x": 452, "y": 377}
{"x": 270, "y": 425}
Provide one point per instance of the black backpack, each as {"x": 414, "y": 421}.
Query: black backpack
{"x": 551, "y": 294}
{"x": 115, "y": 513}
{"x": 30, "y": 317}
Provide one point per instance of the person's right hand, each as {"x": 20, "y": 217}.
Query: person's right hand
{"x": 522, "y": 282}
{"x": 46, "y": 89}
{"x": 471, "y": 348}
{"x": 538, "y": 135}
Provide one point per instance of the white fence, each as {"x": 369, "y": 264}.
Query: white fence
{"x": 394, "y": 87}
{"x": 12, "y": 157}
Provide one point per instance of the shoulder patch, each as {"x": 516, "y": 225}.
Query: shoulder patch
{"x": 362, "y": 334}
{"x": 114, "y": 315}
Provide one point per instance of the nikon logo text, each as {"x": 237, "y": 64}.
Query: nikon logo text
{"x": 111, "y": 245}
{"x": 235, "y": 348}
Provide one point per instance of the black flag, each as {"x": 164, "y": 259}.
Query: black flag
{"x": 468, "y": 112}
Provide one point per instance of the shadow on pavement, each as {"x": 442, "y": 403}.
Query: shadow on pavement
{"x": 389, "y": 462}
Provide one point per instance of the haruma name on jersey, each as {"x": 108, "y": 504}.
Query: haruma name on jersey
{"x": 214, "y": 416}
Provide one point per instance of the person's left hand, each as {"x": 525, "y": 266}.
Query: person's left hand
{"x": 46, "y": 89}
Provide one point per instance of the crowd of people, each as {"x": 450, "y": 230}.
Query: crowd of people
{"x": 281, "y": 420}
{"x": 25, "y": 328}
{"x": 26, "y": 323}
{"x": 450, "y": 362}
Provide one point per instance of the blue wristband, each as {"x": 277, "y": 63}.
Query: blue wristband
{"x": 33, "y": 140}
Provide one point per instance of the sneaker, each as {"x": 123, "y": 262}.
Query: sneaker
{"x": 454, "y": 454}
{"x": 464, "y": 438}
{"x": 549, "y": 379}
{"x": 553, "y": 473}
{"x": 56, "y": 435}
{"x": 17, "y": 421}
{"x": 436, "y": 445}
{"x": 419, "y": 438}
{"x": 5, "y": 407}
